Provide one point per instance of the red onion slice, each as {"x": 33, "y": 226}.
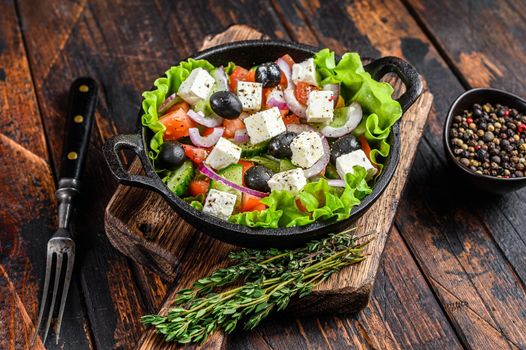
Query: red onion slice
{"x": 299, "y": 128}
{"x": 321, "y": 164}
{"x": 276, "y": 99}
{"x": 204, "y": 169}
{"x": 294, "y": 105}
{"x": 167, "y": 104}
{"x": 205, "y": 141}
{"x": 285, "y": 68}
{"x": 354, "y": 117}
{"x": 335, "y": 88}
{"x": 241, "y": 136}
{"x": 336, "y": 182}
{"x": 209, "y": 122}
{"x": 221, "y": 79}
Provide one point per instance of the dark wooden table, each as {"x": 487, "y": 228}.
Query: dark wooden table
{"x": 454, "y": 269}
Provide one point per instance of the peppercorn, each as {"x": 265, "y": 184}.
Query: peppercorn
{"x": 488, "y": 136}
{"x": 490, "y": 140}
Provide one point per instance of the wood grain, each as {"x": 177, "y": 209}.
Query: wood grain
{"x": 347, "y": 292}
{"x": 388, "y": 34}
{"x": 127, "y": 44}
{"x": 27, "y": 208}
{"x": 91, "y": 42}
{"x": 402, "y": 314}
{"x": 494, "y": 57}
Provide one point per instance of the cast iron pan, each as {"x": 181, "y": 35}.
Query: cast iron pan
{"x": 247, "y": 54}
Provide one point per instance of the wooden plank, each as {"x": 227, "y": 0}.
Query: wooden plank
{"x": 483, "y": 40}
{"x": 402, "y": 314}
{"x": 28, "y": 207}
{"x": 494, "y": 57}
{"x": 92, "y": 41}
{"x": 395, "y": 35}
{"x": 471, "y": 277}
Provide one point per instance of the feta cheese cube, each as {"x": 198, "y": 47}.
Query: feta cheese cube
{"x": 264, "y": 125}
{"x": 346, "y": 162}
{"x": 219, "y": 204}
{"x": 290, "y": 180}
{"x": 307, "y": 149}
{"x": 250, "y": 95}
{"x": 197, "y": 86}
{"x": 305, "y": 72}
{"x": 320, "y": 107}
{"x": 223, "y": 154}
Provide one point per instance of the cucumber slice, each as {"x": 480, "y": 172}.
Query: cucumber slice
{"x": 204, "y": 106}
{"x": 340, "y": 117}
{"x": 248, "y": 150}
{"x": 330, "y": 172}
{"x": 267, "y": 162}
{"x": 177, "y": 181}
{"x": 286, "y": 164}
{"x": 234, "y": 173}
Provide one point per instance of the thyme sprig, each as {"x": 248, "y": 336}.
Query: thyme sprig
{"x": 271, "y": 278}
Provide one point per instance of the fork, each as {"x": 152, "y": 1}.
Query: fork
{"x": 61, "y": 246}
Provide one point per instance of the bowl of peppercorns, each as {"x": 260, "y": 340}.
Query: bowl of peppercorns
{"x": 485, "y": 139}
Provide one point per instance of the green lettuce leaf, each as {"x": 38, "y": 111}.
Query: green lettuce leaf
{"x": 322, "y": 202}
{"x": 165, "y": 86}
{"x": 356, "y": 85}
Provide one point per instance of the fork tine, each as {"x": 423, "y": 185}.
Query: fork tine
{"x": 45, "y": 291}
{"x": 67, "y": 280}
{"x": 58, "y": 270}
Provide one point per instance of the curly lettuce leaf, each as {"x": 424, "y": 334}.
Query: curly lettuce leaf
{"x": 356, "y": 85}
{"x": 165, "y": 86}
{"x": 322, "y": 202}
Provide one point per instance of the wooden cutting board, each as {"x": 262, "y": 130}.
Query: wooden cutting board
{"x": 141, "y": 225}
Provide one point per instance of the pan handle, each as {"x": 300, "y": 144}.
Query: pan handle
{"x": 406, "y": 72}
{"x": 134, "y": 143}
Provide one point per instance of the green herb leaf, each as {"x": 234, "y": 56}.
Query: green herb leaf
{"x": 272, "y": 277}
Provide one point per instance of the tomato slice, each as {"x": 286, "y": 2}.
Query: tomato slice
{"x": 259, "y": 207}
{"x": 246, "y": 165}
{"x": 181, "y": 105}
{"x": 288, "y": 59}
{"x": 239, "y": 74}
{"x": 207, "y": 131}
{"x": 251, "y": 76}
{"x": 231, "y": 125}
{"x": 266, "y": 92}
{"x": 195, "y": 154}
{"x": 198, "y": 187}
{"x": 250, "y": 202}
{"x": 302, "y": 92}
{"x": 283, "y": 83}
{"x": 291, "y": 119}
{"x": 177, "y": 124}
{"x": 365, "y": 146}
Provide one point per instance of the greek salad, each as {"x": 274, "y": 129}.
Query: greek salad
{"x": 280, "y": 144}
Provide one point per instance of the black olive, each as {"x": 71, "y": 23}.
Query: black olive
{"x": 344, "y": 145}
{"x": 279, "y": 146}
{"x": 226, "y": 104}
{"x": 257, "y": 177}
{"x": 171, "y": 155}
{"x": 268, "y": 74}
